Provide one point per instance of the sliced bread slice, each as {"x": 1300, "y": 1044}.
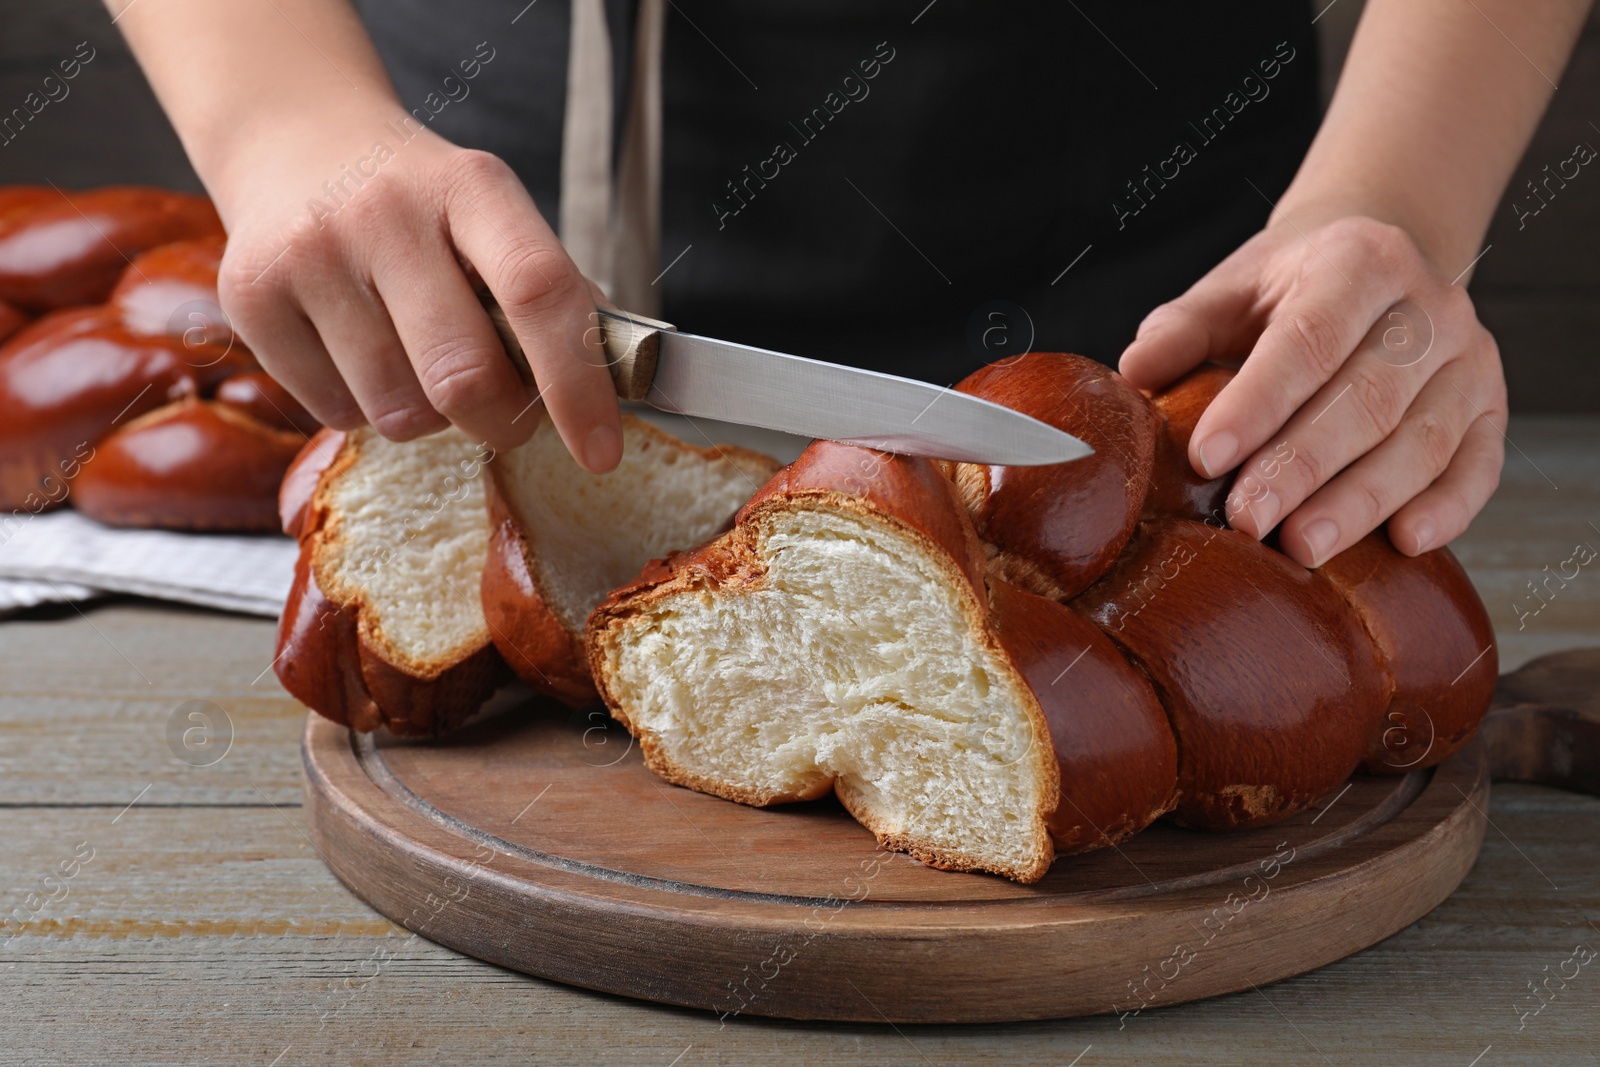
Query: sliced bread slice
{"x": 394, "y": 618}
{"x": 383, "y": 626}
{"x": 839, "y": 639}
{"x": 563, "y": 538}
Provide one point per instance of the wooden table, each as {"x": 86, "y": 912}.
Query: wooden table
{"x": 198, "y": 924}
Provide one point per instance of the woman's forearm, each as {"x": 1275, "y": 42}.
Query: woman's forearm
{"x": 1436, "y": 103}
{"x": 235, "y": 73}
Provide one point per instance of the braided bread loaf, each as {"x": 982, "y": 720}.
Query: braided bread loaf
{"x": 991, "y": 666}
{"x": 141, "y": 407}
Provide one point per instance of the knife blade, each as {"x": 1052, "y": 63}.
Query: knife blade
{"x": 687, "y": 374}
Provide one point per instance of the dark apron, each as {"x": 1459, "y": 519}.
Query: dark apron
{"x": 918, "y": 197}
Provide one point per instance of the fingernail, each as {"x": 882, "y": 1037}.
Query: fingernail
{"x": 1426, "y": 531}
{"x": 603, "y": 450}
{"x": 1217, "y": 452}
{"x": 1320, "y": 536}
{"x": 1265, "y": 513}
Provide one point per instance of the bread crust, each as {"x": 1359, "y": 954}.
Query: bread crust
{"x": 1177, "y": 491}
{"x": 1266, "y": 674}
{"x": 1109, "y": 734}
{"x": 332, "y": 653}
{"x": 300, "y": 480}
{"x": 1056, "y": 529}
{"x": 259, "y": 395}
{"x": 11, "y": 320}
{"x": 522, "y": 624}
{"x": 1434, "y": 641}
{"x": 318, "y": 657}
{"x": 102, "y": 227}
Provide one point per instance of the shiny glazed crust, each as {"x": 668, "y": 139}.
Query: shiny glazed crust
{"x": 1056, "y": 529}
{"x": 1435, "y": 641}
{"x": 64, "y": 249}
{"x": 190, "y": 465}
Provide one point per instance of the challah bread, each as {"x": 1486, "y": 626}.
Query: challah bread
{"x": 412, "y": 572}
{"x": 563, "y": 538}
{"x": 383, "y": 626}
{"x": 1435, "y": 642}
{"x": 1056, "y": 529}
{"x": 74, "y": 377}
{"x": 188, "y": 465}
{"x": 1270, "y": 684}
{"x": 63, "y": 249}
{"x": 82, "y": 386}
{"x": 839, "y": 639}
{"x": 835, "y": 639}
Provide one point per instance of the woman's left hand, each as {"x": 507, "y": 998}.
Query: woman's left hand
{"x": 1370, "y": 391}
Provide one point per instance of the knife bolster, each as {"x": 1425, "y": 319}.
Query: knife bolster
{"x": 632, "y": 346}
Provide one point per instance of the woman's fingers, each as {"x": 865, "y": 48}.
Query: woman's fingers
{"x": 359, "y": 335}
{"x": 287, "y": 345}
{"x": 1349, "y": 415}
{"x": 1376, "y": 485}
{"x": 1443, "y": 511}
{"x": 1356, "y": 270}
{"x": 455, "y": 353}
{"x": 547, "y": 301}
{"x": 1209, "y": 321}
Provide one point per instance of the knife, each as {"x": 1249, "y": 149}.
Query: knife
{"x": 654, "y": 362}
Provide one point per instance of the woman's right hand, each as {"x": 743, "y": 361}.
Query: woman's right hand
{"x": 347, "y": 273}
{"x": 347, "y": 269}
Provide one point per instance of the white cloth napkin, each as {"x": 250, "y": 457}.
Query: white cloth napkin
{"x": 63, "y": 556}
{"x": 19, "y": 593}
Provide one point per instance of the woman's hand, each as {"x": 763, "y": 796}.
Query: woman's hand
{"x": 1370, "y": 391}
{"x": 357, "y": 301}
{"x": 353, "y": 232}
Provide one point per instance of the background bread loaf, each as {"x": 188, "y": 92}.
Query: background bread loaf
{"x": 134, "y": 407}
{"x": 62, "y": 249}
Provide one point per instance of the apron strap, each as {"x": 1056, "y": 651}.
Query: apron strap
{"x": 611, "y": 220}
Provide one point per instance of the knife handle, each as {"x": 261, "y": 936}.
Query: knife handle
{"x": 632, "y": 345}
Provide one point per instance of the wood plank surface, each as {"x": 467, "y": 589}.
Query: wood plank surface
{"x": 205, "y": 928}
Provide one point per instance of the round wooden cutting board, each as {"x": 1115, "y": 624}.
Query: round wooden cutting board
{"x": 536, "y": 839}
